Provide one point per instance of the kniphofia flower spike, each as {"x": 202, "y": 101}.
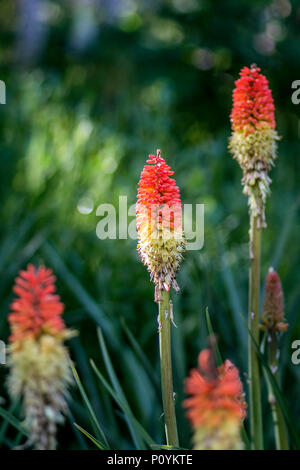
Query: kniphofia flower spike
{"x": 38, "y": 360}
{"x": 273, "y": 323}
{"x": 160, "y": 246}
{"x": 253, "y": 142}
{"x": 159, "y": 223}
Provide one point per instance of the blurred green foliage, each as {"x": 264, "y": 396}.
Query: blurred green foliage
{"x": 93, "y": 87}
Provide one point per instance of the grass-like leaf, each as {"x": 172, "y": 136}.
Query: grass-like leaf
{"x": 13, "y": 421}
{"x": 166, "y": 447}
{"x": 212, "y": 334}
{"x": 118, "y": 389}
{"x": 93, "y": 309}
{"x": 95, "y": 423}
{"x": 4, "y": 426}
{"x": 139, "y": 434}
{"x": 141, "y": 356}
{"x": 90, "y": 437}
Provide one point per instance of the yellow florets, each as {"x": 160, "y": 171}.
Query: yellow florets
{"x": 256, "y": 153}
{"x": 40, "y": 372}
{"x": 253, "y": 142}
{"x": 38, "y": 360}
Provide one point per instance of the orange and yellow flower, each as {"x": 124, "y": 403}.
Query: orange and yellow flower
{"x": 253, "y": 142}
{"x": 216, "y": 407}
{"x": 38, "y": 360}
{"x": 159, "y": 223}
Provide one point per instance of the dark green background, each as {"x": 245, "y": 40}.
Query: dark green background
{"x": 92, "y": 88}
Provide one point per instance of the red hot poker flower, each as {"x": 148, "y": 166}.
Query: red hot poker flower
{"x": 159, "y": 222}
{"x": 253, "y": 105}
{"x": 37, "y": 308}
{"x": 216, "y": 407}
{"x": 253, "y": 142}
{"x": 38, "y": 359}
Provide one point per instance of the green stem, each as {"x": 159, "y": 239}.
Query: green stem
{"x": 280, "y": 430}
{"x": 253, "y": 320}
{"x": 166, "y": 369}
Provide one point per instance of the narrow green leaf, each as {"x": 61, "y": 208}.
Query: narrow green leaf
{"x": 77, "y": 433}
{"x": 96, "y": 426}
{"x": 133, "y": 424}
{"x": 141, "y": 355}
{"x": 117, "y": 387}
{"x": 87, "y": 377}
{"x": 6, "y": 423}
{"x": 166, "y": 447}
{"x": 283, "y": 235}
{"x": 13, "y": 421}
{"x": 212, "y": 334}
{"x": 93, "y": 309}
{"x": 235, "y": 303}
{"x": 24, "y": 255}
{"x": 10, "y": 244}
{"x": 90, "y": 437}
{"x": 17, "y": 440}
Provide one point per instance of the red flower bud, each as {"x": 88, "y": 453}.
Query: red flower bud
{"x": 273, "y": 306}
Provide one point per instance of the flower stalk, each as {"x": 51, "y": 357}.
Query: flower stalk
{"x": 253, "y": 144}
{"x": 161, "y": 245}
{"x": 280, "y": 431}
{"x": 164, "y": 321}
{"x": 253, "y": 324}
{"x": 273, "y": 324}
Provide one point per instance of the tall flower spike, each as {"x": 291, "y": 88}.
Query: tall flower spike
{"x": 253, "y": 142}
{"x": 38, "y": 360}
{"x": 216, "y": 407}
{"x": 159, "y": 223}
{"x": 273, "y": 322}
{"x": 273, "y": 307}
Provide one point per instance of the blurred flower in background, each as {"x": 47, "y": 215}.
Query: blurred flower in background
{"x": 38, "y": 360}
{"x": 216, "y": 407}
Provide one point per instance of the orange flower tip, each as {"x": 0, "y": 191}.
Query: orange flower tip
{"x": 36, "y": 308}
{"x": 253, "y": 105}
{"x": 207, "y": 364}
{"x": 216, "y": 405}
{"x": 208, "y": 382}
